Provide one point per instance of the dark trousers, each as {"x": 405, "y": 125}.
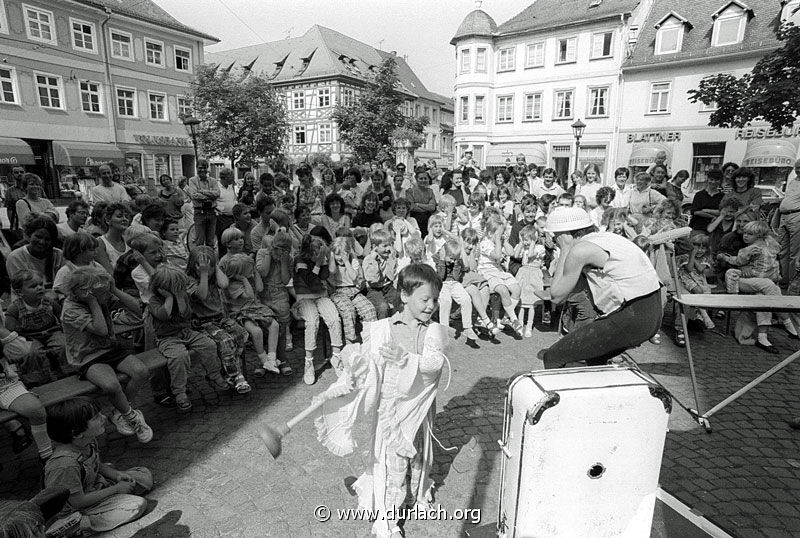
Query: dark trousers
{"x": 608, "y": 336}
{"x": 385, "y": 300}
{"x": 205, "y": 223}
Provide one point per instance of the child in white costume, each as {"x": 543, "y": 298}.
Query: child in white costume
{"x": 395, "y": 376}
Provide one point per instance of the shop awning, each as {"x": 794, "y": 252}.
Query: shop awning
{"x": 85, "y": 154}
{"x": 646, "y": 155}
{"x": 770, "y": 154}
{"x": 506, "y": 155}
{"x": 14, "y": 151}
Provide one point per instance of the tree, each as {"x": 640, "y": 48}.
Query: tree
{"x": 367, "y": 124}
{"x": 771, "y": 91}
{"x": 243, "y": 117}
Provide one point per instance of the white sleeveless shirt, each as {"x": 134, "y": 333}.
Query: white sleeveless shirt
{"x": 627, "y": 274}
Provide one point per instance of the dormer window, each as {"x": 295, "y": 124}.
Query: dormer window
{"x": 278, "y": 66}
{"x": 306, "y": 62}
{"x": 729, "y": 24}
{"x": 669, "y": 37}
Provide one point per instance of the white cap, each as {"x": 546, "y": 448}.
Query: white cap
{"x": 567, "y": 219}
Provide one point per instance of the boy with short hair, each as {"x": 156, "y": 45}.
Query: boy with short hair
{"x": 380, "y": 269}
{"x": 106, "y": 497}
{"x": 148, "y": 250}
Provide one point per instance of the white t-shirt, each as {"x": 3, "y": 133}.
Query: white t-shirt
{"x": 114, "y": 193}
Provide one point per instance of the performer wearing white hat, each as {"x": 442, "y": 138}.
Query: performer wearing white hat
{"x": 623, "y": 285}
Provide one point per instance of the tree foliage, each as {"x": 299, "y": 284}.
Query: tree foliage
{"x": 770, "y": 92}
{"x": 367, "y": 124}
{"x": 243, "y": 117}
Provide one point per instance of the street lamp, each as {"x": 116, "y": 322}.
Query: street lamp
{"x": 191, "y": 123}
{"x": 577, "y": 131}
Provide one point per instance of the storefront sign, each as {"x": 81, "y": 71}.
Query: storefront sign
{"x": 95, "y": 162}
{"x": 749, "y": 133}
{"x": 673, "y": 136}
{"x": 9, "y": 160}
{"x": 148, "y": 140}
{"x": 768, "y": 161}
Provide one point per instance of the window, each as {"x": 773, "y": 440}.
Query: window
{"x": 434, "y": 115}
{"x": 158, "y": 106}
{"x": 183, "y": 59}
{"x": 324, "y": 97}
{"x": 466, "y": 61}
{"x": 154, "y": 53}
{"x": 126, "y": 102}
{"x": 567, "y": 50}
{"x": 480, "y": 114}
{"x": 83, "y": 35}
{"x": 185, "y": 107}
{"x": 601, "y": 45}
{"x": 505, "y": 109}
{"x": 408, "y": 110}
{"x": 534, "y": 55}
{"x": 325, "y": 133}
{"x": 91, "y": 97}
{"x": 49, "y": 89}
{"x": 298, "y": 100}
{"x": 121, "y": 45}
{"x": 161, "y": 163}
{"x": 564, "y": 103}
{"x": 465, "y": 109}
{"x": 348, "y": 96}
{"x": 669, "y": 38}
{"x": 39, "y": 25}
{"x": 598, "y": 103}
{"x": 3, "y": 19}
{"x": 505, "y": 59}
{"x": 533, "y": 107}
{"x": 8, "y": 86}
{"x": 729, "y": 27}
{"x": 299, "y": 134}
{"x": 480, "y": 61}
{"x": 659, "y": 97}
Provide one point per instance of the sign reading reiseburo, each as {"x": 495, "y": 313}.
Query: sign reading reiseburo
{"x": 749, "y": 133}
{"x": 152, "y": 140}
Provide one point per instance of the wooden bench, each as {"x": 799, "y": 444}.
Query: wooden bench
{"x": 73, "y": 386}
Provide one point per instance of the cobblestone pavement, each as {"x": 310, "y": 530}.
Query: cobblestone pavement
{"x": 214, "y": 477}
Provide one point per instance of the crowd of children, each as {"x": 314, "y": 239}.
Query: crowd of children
{"x": 329, "y": 251}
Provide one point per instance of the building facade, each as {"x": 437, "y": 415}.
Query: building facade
{"x": 322, "y": 68}
{"x": 522, "y": 84}
{"x": 86, "y": 82}
{"x": 681, "y": 42}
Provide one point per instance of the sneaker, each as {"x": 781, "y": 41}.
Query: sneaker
{"x": 289, "y": 346}
{"x": 143, "y": 432}
{"x": 517, "y": 327}
{"x": 309, "y": 376}
{"x": 528, "y": 333}
{"x": 241, "y": 385}
{"x": 284, "y": 367}
{"x": 469, "y": 334}
{"x": 268, "y": 364}
{"x": 495, "y": 329}
{"x": 123, "y": 426}
{"x": 183, "y": 403}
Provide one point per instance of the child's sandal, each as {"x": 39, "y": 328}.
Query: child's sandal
{"x": 241, "y": 385}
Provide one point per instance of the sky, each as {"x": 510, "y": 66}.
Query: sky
{"x": 419, "y": 29}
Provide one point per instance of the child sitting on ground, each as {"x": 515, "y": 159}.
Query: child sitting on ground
{"x": 34, "y": 315}
{"x": 93, "y": 349}
{"x": 311, "y": 268}
{"x": 347, "y": 280}
{"x": 475, "y": 283}
{"x": 436, "y": 237}
{"x": 241, "y": 299}
{"x": 171, "y": 308}
{"x": 490, "y": 265}
{"x": 273, "y": 263}
{"x": 380, "y": 269}
{"x": 175, "y": 251}
{"x": 207, "y": 280}
{"x": 106, "y": 497}
{"x": 450, "y": 268}
{"x": 414, "y": 251}
{"x": 692, "y": 270}
{"x": 79, "y": 249}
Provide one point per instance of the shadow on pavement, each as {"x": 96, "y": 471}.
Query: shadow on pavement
{"x": 166, "y": 527}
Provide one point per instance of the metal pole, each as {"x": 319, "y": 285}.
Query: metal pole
{"x": 194, "y": 143}
{"x": 577, "y": 153}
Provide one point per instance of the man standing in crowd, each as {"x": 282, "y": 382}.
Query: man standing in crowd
{"x": 225, "y": 203}
{"x": 108, "y": 191}
{"x": 548, "y": 185}
{"x": 422, "y": 202}
{"x": 203, "y": 191}
{"x": 13, "y": 194}
{"x": 789, "y": 229}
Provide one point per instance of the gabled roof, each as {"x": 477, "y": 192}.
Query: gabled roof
{"x": 477, "y": 23}
{"x": 673, "y": 15}
{"x": 148, "y": 11}
{"x": 320, "y": 52}
{"x": 545, "y": 14}
{"x": 726, "y": 5}
{"x": 759, "y": 33}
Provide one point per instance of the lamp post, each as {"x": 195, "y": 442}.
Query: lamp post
{"x": 577, "y": 131}
{"x": 191, "y": 123}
